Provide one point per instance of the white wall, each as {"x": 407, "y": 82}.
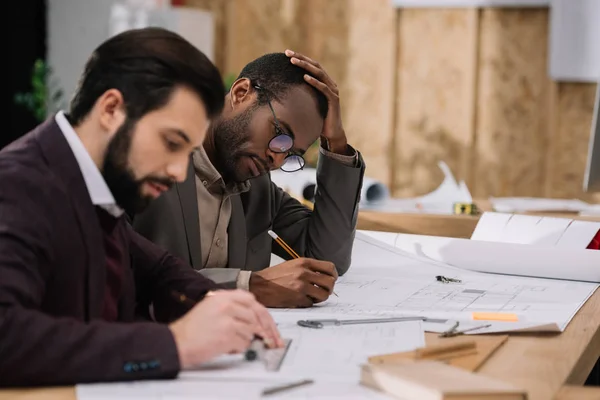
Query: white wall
{"x": 77, "y": 27}
{"x": 575, "y": 40}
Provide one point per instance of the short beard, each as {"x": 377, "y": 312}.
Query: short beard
{"x": 117, "y": 174}
{"x": 229, "y": 137}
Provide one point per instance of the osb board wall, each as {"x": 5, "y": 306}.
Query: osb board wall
{"x": 569, "y": 140}
{"x": 351, "y": 41}
{"x": 434, "y": 112}
{"x": 512, "y": 103}
{"x": 466, "y": 86}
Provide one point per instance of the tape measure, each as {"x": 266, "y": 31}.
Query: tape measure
{"x": 465, "y": 209}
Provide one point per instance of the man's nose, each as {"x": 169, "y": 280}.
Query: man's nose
{"x": 276, "y": 160}
{"x": 177, "y": 170}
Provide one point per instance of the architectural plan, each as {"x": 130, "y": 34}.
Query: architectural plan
{"x": 410, "y": 287}
{"x": 331, "y": 357}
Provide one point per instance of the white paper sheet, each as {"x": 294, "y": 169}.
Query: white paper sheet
{"x": 192, "y": 388}
{"x": 506, "y": 258}
{"x": 524, "y": 204}
{"x": 579, "y": 235}
{"x": 591, "y": 211}
{"x": 331, "y": 356}
{"x": 335, "y": 353}
{"x": 535, "y": 230}
{"x": 406, "y": 285}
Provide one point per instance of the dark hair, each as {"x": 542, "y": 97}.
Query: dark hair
{"x": 146, "y": 65}
{"x": 276, "y": 74}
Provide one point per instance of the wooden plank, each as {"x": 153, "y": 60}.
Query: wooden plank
{"x": 367, "y": 95}
{"x": 460, "y": 226}
{"x": 435, "y": 105}
{"x": 254, "y": 28}
{"x": 578, "y": 393}
{"x": 542, "y": 364}
{"x": 512, "y": 108}
{"x": 572, "y": 118}
{"x": 59, "y": 393}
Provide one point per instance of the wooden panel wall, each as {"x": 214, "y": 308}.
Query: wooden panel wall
{"x": 567, "y": 153}
{"x": 466, "y": 86}
{"x": 512, "y": 103}
{"x": 340, "y": 35}
{"x": 435, "y": 96}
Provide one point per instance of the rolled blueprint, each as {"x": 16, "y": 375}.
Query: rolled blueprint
{"x": 303, "y": 184}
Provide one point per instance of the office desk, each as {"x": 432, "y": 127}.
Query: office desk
{"x": 541, "y": 364}
{"x": 578, "y": 393}
{"x": 458, "y": 226}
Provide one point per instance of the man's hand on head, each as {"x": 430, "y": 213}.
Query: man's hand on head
{"x": 298, "y": 283}
{"x": 333, "y": 131}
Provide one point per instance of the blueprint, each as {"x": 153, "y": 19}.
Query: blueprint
{"x": 409, "y": 287}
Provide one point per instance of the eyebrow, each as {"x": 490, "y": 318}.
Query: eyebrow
{"x": 179, "y": 133}
{"x": 182, "y": 135}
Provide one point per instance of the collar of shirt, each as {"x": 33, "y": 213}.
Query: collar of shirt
{"x": 99, "y": 192}
{"x": 211, "y": 178}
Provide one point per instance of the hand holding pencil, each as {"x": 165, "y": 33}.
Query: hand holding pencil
{"x": 286, "y": 247}
{"x": 300, "y": 282}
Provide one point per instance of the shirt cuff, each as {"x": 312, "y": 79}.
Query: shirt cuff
{"x": 243, "y": 280}
{"x": 350, "y": 160}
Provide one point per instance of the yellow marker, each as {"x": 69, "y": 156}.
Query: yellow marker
{"x": 492, "y": 316}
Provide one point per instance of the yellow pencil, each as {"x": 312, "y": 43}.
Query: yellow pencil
{"x": 287, "y": 248}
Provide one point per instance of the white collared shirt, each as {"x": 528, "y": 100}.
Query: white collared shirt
{"x": 99, "y": 192}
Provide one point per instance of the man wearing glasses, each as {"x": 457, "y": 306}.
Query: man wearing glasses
{"x": 218, "y": 219}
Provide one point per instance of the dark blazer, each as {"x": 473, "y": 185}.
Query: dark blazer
{"x": 52, "y": 278}
{"x": 327, "y": 233}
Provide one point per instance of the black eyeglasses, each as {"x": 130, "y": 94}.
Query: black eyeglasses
{"x": 283, "y": 142}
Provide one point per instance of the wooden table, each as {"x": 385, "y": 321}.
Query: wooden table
{"x": 578, "y": 393}
{"x": 547, "y": 366}
{"x": 458, "y": 226}
{"x": 541, "y": 364}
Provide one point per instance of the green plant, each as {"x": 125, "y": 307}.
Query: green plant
{"x": 229, "y": 80}
{"x": 44, "y": 97}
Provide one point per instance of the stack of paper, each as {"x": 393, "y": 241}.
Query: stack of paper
{"x": 536, "y": 204}
{"x": 515, "y": 245}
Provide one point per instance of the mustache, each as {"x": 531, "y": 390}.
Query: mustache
{"x": 263, "y": 163}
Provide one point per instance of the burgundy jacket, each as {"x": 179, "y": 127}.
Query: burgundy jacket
{"x": 53, "y": 277}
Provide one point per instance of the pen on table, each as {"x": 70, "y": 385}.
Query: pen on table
{"x": 288, "y": 386}
{"x": 258, "y": 343}
{"x": 287, "y": 248}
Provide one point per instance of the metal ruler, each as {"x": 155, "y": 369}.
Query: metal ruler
{"x": 273, "y": 358}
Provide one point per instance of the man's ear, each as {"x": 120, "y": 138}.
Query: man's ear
{"x": 241, "y": 91}
{"x": 111, "y": 110}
